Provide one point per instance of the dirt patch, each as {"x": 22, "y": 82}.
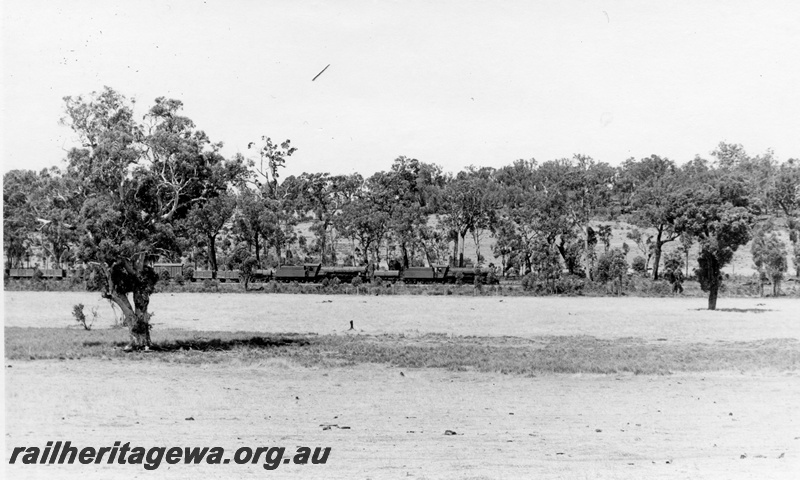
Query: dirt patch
{"x": 552, "y": 426}
{"x": 674, "y": 319}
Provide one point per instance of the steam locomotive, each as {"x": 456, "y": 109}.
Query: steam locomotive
{"x": 306, "y": 273}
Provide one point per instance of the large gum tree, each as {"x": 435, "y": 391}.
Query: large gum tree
{"x": 715, "y": 212}
{"x": 133, "y": 183}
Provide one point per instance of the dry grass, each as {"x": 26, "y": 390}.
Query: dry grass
{"x": 511, "y": 355}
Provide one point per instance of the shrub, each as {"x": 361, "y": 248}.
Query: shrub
{"x": 639, "y": 265}
{"x": 528, "y": 282}
{"x": 611, "y": 268}
{"x": 164, "y": 276}
{"x": 570, "y": 285}
{"x": 38, "y": 276}
{"x": 75, "y": 281}
{"x": 179, "y": 279}
{"x": 356, "y": 281}
{"x": 80, "y": 317}
{"x": 188, "y": 274}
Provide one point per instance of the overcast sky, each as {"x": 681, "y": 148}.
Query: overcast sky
{"x": 448, "y": 82}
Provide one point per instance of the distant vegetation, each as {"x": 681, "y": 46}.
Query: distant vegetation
{"x": 133, "y": 193}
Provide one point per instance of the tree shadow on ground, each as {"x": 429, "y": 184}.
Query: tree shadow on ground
{"x": 738, "y": 310}
{"x": 216, "y": 344}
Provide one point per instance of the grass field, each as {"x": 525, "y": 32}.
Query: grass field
{"x": 506, "y": 355}
{"x": 532, "y": 387}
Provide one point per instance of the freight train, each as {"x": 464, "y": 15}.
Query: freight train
{"x": 306, "y": 273}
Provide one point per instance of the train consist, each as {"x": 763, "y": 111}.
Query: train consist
{"x": 307, "y": 273}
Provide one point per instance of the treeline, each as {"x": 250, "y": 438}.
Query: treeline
{"x": 135, "y": 192}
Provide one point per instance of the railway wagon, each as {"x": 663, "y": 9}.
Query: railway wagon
{"x": 231, "y": 275}
{"x": 344, "y": 274}
{"x": 172, "y": 269}
{"x": 228, "y": 275}
{"x": 54, "y": 273}
{"x": 431, "y": 274}
{"x": 467, "y": 275}
{"x": 298, "y": 273}
{"x": 203, "y": 275}
{"x": 261, "y": 275}
{"x": 387, "y": 275}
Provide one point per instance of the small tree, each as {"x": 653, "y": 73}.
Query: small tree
{"x": 246, "y": 270}
{"x": 604, "y": 234}
{"x": 639, "y": 265}
{"x": 80, "y": 317}
{"x": 644, "y": 242}
{"x": 769, "y": 256}
{"x": 612, "y": 267}
{"x": 715, "y": 214}
{"x": 673, "y": 270}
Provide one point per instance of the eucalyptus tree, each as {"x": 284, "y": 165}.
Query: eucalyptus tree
{"x": 577, "y": 190}
{"x": 19, "y": 219}
{"x": 534, "y": 210}
{"x": 415, "y": 187}
{"x": 769, "y": 256}
{"x": 364, "y": 217}
{"x": 266, "y": 209}
{"x": 652, "y": 193}
{"x": 205, "y": 221}
{"x": 715, "y": 213}
{"x": 784, "y": 195}
{"x": 55, "y": 210}
{"x": 134, "y": 183}
{"x": 271, "y": 158}
{"x": 470, "y": 206}
{"x": 756, "y": 173}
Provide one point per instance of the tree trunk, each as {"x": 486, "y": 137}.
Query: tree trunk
{"x": 135, "y": 317}
{"x": 477, "y": 238}
{"x": 140, "y": 328}
{"x": 365, "y": 252}
{"x": 323, "y": 240}
{"x": 587, "y": 254}
{"x": 258, "y": 256}
{"x": 377, "y": 254}
{"x": 687, "y": 263}
{"x": 712, "y": 295}
{"x": 563, "y": 252}
{"x": 657, "y": 255}
{"x": 212, "y": 255}
{"x": 776, "y": 287}
{"x": 405, "y": 254}
{"x": 455, "y": 248}
{"x": 462, "y": 242}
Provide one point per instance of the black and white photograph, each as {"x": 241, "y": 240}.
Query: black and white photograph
{"x": 366, "y": 239}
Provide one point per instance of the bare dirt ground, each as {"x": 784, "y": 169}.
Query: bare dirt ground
{"x": 674, "y": 319}
{"x": 559, "y": 426}
{"x": 700, "y": 425}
